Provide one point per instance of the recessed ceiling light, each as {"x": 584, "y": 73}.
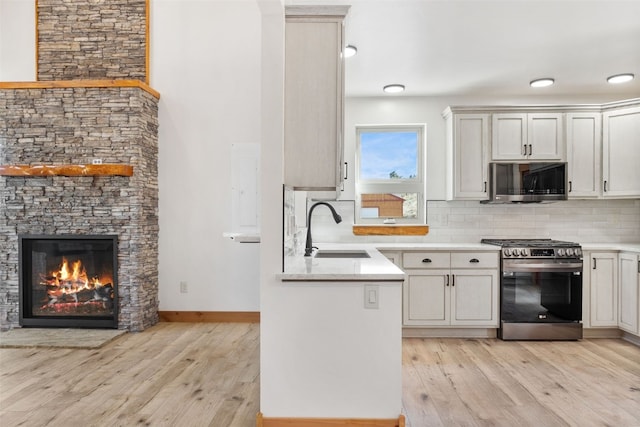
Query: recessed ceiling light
{"x": 394, "y": 88}
{"x": 620, "y": 78}
{"x": 350, "y": 51}
{"x": 547, "y": 81}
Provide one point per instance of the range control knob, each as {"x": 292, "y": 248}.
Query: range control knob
{"x": 561, "y": 252}
{"x": 507, "y": 252}
{"x": 523, "y": 252}
{"x": 569, "y": 252}
{"x": 578, "y": 252}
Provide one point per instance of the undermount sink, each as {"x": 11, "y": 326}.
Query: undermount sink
{"x": 344, "y": 253}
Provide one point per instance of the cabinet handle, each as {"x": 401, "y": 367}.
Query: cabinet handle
{"x": 453, "y": 280}
{"x": 474, "y": 260}
{"x": 524, "y": 149}
{"x": 594, "y": 263}
{"x": 639, "y": 266}
{"x": 346, "y": 170}
{"x": 447, "y": 282}
{"x": 485, "y": 186}
{"x": 426, "y": 260}
{"x": 605, "y": 186}
{"x": 530, "y": 150}
{"x": 570, "y": 187}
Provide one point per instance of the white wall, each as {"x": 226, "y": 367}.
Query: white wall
{"x": 205, "y": 62}
{"x": 17, "y": 40}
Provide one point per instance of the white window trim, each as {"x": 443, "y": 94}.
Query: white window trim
{"x": 413, "y": 185}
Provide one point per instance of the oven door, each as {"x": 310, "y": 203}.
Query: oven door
{"x": 541, "y": 291}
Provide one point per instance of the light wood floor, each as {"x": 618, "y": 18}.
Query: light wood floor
{"x": 181, "y": 374}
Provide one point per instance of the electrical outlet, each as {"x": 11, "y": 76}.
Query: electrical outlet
{"x": 371, "y": 296}
{"x": 96, "y": 161}
{"x": 183, "y": 287}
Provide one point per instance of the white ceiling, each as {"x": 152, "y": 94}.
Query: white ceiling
{"x": 491, "y": 48}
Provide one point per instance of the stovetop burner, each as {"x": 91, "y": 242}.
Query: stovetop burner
{"x": 530, "y": 243}
{"x": 536, "y": 248}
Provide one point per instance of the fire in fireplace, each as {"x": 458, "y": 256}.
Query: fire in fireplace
{"x": 68, "y": 281}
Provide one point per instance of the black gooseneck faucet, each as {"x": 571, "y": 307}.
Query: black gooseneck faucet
{"x": 308, "y": 247}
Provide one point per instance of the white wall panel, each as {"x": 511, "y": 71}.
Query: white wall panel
{"x": 205, "y": 62}
{"x": 17, "y": 40}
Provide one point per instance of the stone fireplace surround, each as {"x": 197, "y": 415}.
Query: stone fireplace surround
{"x": 91, "y": 101}
{"x": 72, "y": 126}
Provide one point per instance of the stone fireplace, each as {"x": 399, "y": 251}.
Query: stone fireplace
{"x": 79, "y": 154}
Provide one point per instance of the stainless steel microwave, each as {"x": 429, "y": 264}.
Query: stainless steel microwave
{"x": 527, "y": 182}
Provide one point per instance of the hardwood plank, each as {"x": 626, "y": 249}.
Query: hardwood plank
{"x": 210, "y": 316}
{"x": 100, "y": 83}
{"x": 66, "y": 170}
{"x": 207, "y": 374}
{"x": 390, "y": 230}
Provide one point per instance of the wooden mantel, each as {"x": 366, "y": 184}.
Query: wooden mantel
{"x": 81, "y": 84}
{"x": 66, "y": 170}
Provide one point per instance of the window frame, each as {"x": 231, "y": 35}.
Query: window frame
{"x": 407, "y": 185}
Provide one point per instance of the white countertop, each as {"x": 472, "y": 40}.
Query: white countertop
{"x": 435, "y": 247}
{"x": 376, "y": 268}
{"x": 628, "y": 247}
{"x": 379, "y": 268}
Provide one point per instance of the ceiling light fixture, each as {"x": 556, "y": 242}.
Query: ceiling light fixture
{"x": 350, "y": 51}
{"x": 620, "y": 78}
{"x": 547, "y": 81}
{"x": 394, "y": 88}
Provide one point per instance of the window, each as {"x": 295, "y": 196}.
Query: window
{"x": 390, "y": 181}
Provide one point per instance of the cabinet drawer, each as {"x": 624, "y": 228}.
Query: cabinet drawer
{"x": 426, "y": 260}
{"x": 474, "y": 260}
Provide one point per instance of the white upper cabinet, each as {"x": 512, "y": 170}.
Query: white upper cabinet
{"x": 584, "y": 158}
{"x": 314, "y": 97}
{"x": 621, "y": 153}
{"x": 468, "y": 155}
{"x": 527, "y": 136}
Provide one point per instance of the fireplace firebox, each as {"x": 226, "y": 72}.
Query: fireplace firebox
{"x": 68, "y": 281}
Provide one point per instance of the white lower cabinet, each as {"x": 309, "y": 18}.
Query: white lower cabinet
{"x": 603, "y": 288}
{"x": 629, "y": 301}
{"x": 450, "y": 289}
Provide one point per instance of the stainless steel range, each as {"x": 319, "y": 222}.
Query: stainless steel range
{"x": 540, "y": 289}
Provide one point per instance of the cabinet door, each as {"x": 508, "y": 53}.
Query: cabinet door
{"x": 628, "y": 308}
{"x": 474, "y": 298}
{"x": 545, "y": 136}
{"x": 604, "y": 289}
{"x": 621, "y": 153}
{"x": 509, "y": 136}
{"x": 584, "y": 160}
{"x": 471, "y": 134}
{"x": 426, "y": 298}
{"x": 313, "y": 102}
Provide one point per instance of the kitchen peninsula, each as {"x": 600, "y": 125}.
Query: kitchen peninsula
{"x": 333, "y": 347}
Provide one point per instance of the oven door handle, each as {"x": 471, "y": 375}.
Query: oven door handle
{"x": 534, "y": 268}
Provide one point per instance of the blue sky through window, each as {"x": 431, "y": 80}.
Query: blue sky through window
{"x": 384, "y": 152}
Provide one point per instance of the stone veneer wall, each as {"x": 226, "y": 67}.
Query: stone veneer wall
{"x": 74, "y": 126}
{"x": 91, "y": 39}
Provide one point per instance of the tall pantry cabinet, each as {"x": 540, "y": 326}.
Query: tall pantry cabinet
{"x": 314, "y": 97}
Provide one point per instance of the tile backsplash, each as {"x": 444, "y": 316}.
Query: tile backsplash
{"x": 583, "y": 221}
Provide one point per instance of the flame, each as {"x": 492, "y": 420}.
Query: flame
{"x": 71, "y": 278}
